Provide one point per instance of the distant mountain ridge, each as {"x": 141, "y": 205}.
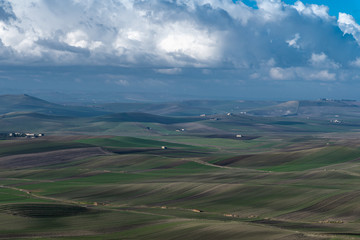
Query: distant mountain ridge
{"x": 159, "y": 112}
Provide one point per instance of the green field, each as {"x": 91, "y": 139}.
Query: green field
{"x": 108, "y": 177}
{"x": 265, "y": 188}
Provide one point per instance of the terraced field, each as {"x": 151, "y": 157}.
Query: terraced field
{"x": 286, "y": 185}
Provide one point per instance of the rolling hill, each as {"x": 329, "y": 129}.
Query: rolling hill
{"x": 314, "y": 109}
{"x": 281, "y": 170}
{"x": 323, "y": 108}
{"x": 26, "y": 103}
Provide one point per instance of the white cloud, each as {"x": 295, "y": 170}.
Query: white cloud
{"x": 169, "y": 70}
{"x": 21, "y": 42}
{"x": 294, "y": 42}
{"x": 76, "y": 39}
{"x": 323, "y": 75}
{"x": 348, "y": 25}
{"x": 322, "y": 60}
{"x": 122, "y": 82}
{"x": 183, "y": 38}
{"x": 299, "y": 6}
{"x": 356, "y": 62}
{"x": 312, "y": 10}
{"x": 134, "y": 35}
{"x": 238, "y": 11}
{"x": 318, "y": 58}
{"x": 281, "y": 73}
{"x": 271, "y": 9}
{"x": 274, "y": 40}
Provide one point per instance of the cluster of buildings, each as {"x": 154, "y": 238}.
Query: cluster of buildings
{"x": 26, "y": 135}
{"x": 335, "y": 121}
{"x": 180, "y": 130}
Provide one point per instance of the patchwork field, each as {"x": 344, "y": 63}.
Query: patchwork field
{"x": 219, "y": 177}
{"x": 200, "y": 187}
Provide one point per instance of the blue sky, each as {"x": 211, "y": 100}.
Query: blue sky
{"x": 335, "y": 6}
{"x": 195, "y": 49}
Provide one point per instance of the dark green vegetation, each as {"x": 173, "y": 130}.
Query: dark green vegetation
{"x": 104, "y": 175}
{"x": 39, "y": 210}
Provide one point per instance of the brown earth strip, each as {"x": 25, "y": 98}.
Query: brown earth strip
{"x": 260, "y": 160}
{"x": 292, "y": 225}
{"x": 206, "y": 193}
{"x": 230, "y": 161}
{"x": 49, "y": 158}
{"x": 300, "y": 236}
{"x": 323, "y": 206}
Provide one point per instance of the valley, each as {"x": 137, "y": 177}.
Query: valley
{"x": 121, "y": 173}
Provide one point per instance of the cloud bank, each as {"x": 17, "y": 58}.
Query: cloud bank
{"x": 273, "y": 42}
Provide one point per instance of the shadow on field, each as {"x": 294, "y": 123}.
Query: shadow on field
{"x": 37, "y": 210}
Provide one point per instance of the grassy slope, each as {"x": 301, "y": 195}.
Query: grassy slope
{"x": 128, "y": 142}
{"x": 323, "y": 157}
{"x": 151, "y": 195}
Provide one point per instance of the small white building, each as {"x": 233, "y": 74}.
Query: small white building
{"x": 30, "y": 135}
{"x": 335, "y": 121}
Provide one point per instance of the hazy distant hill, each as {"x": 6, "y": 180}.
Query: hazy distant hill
{"x": 11, "y": 103}
{"x": 145, "y": 117}
{"x": 188, "y": 108}
{"x": 329, "y": 108}
{"x": 281, "y": 109}
{"x": 157, "y": 112}
{"x": 315, "y": 109}
{"x": 26, "y": 103}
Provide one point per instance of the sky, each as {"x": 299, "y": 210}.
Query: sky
{"x": 205, "y": 49}
{"x": 351, "y": 7}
